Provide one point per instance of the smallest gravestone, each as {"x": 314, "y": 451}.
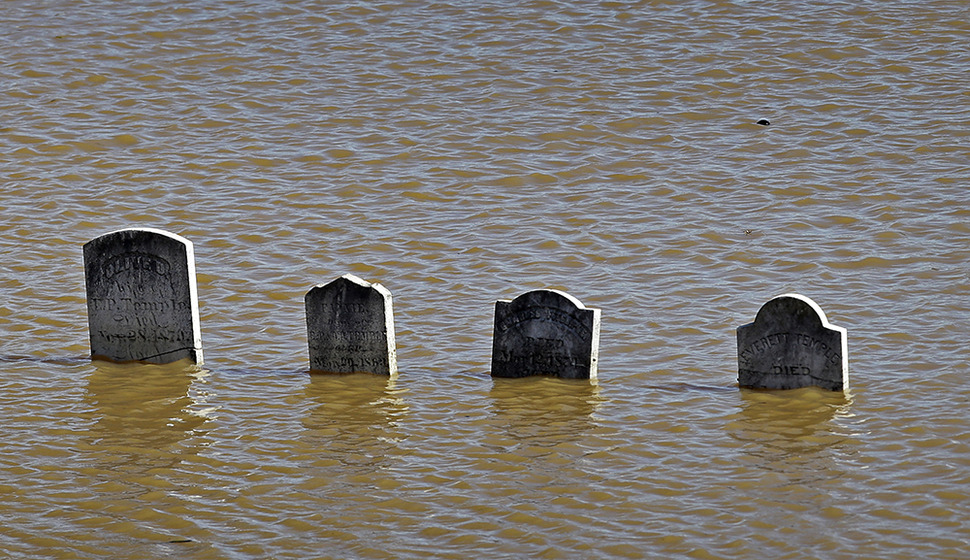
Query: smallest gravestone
{"x": 142, "y": 297}
{"x": 545, "y": 332}
{"x": 350, "y": 327}
{"x": 791, "y": 345}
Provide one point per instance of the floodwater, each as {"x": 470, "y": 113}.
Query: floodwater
{"x": 461, "y": 152}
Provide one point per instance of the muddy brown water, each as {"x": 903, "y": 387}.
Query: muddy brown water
{"x": 460, "y": 153}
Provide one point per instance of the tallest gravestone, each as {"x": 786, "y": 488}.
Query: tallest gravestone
{"x": 142, "y": 297}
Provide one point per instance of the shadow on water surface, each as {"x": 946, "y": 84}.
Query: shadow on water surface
{"x": 62, "y": 361}
{"x": 537, "y": 409}
{"x": 793, "y": 432}
{"x": 143, "y": 413}
{"x": 353, "y": 417}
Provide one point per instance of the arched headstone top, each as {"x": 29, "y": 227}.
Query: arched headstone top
{"x": 131, "y": 233}
{"x": 795, "y": 308}
{"x": 545, "y": 332}
{"x": 142, "y": 297}
{"x": 547, "y": 297}
{"x": 790, "y": 345}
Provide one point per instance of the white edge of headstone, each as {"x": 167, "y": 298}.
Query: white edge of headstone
{"x": 193, "y": 283}
{"x": 389, "y": 327}
{"x": 595, "y": 351}
{"x": 825, "y": 323}
{"x": 388, "y": 316}
{"x": 175, "y": 236}
{"x": 572, "y": 300}
{"x": 355, "y": 279}
{"x": 810, "y": 302}
{"x": 193, "y": 298}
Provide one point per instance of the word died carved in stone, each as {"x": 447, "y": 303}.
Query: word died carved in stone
{"x": 791, "y": 345}
{"x": 545, "y": 332}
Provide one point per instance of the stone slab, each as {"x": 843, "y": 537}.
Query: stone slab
{"x": 791, "y": 345}
{"x": 142, "y": 297}
{"x": 545, "y": 332}
{"x": 350, "y": 327}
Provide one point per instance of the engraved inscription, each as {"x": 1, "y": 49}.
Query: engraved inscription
{"x": 547, "y": 354}
{"x": 545, "y": 332}
{"x": 135, "y": 261}
{"x": 550, "y": 314}
{"x": 146, "y": 335}
{"x": 765, "y": 343}
{"x": 350, "y": 327}
{"x": 541, "y": 363}
{"x": 141, "y": 297}
{"x": 791, "y": 345}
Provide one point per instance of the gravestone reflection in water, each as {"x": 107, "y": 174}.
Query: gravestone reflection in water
{"x": 791, "y": 345}
{"x": 142, "y": 297}
{"x": 545, "y": 332}
{"x": 350, "y": 327}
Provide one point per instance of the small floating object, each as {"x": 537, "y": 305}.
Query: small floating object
{"x": 763, "y": 122}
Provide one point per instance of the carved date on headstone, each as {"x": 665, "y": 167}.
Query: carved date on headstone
{"x": 350, "y": 327}
{"x": 142, "y": 297}
{"x": 545, "y": 332}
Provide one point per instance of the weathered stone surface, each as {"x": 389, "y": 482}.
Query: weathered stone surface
{"x": 350, "y": 327}
{"x": 545, "y": 332}
{"x": 791, "y": 345}
{"x": 142, "y": 297}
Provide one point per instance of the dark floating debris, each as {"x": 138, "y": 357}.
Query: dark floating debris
{"x": 763, "y": 122}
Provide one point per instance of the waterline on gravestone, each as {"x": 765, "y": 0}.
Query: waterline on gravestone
{"x": 142, "y": 297}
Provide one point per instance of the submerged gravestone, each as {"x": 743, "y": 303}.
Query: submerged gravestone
{"x": 545, "y": 332}
{"x": 791, "y": 345}
{"x": 350, "y": 327}
{"x": 142, "y": 297}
